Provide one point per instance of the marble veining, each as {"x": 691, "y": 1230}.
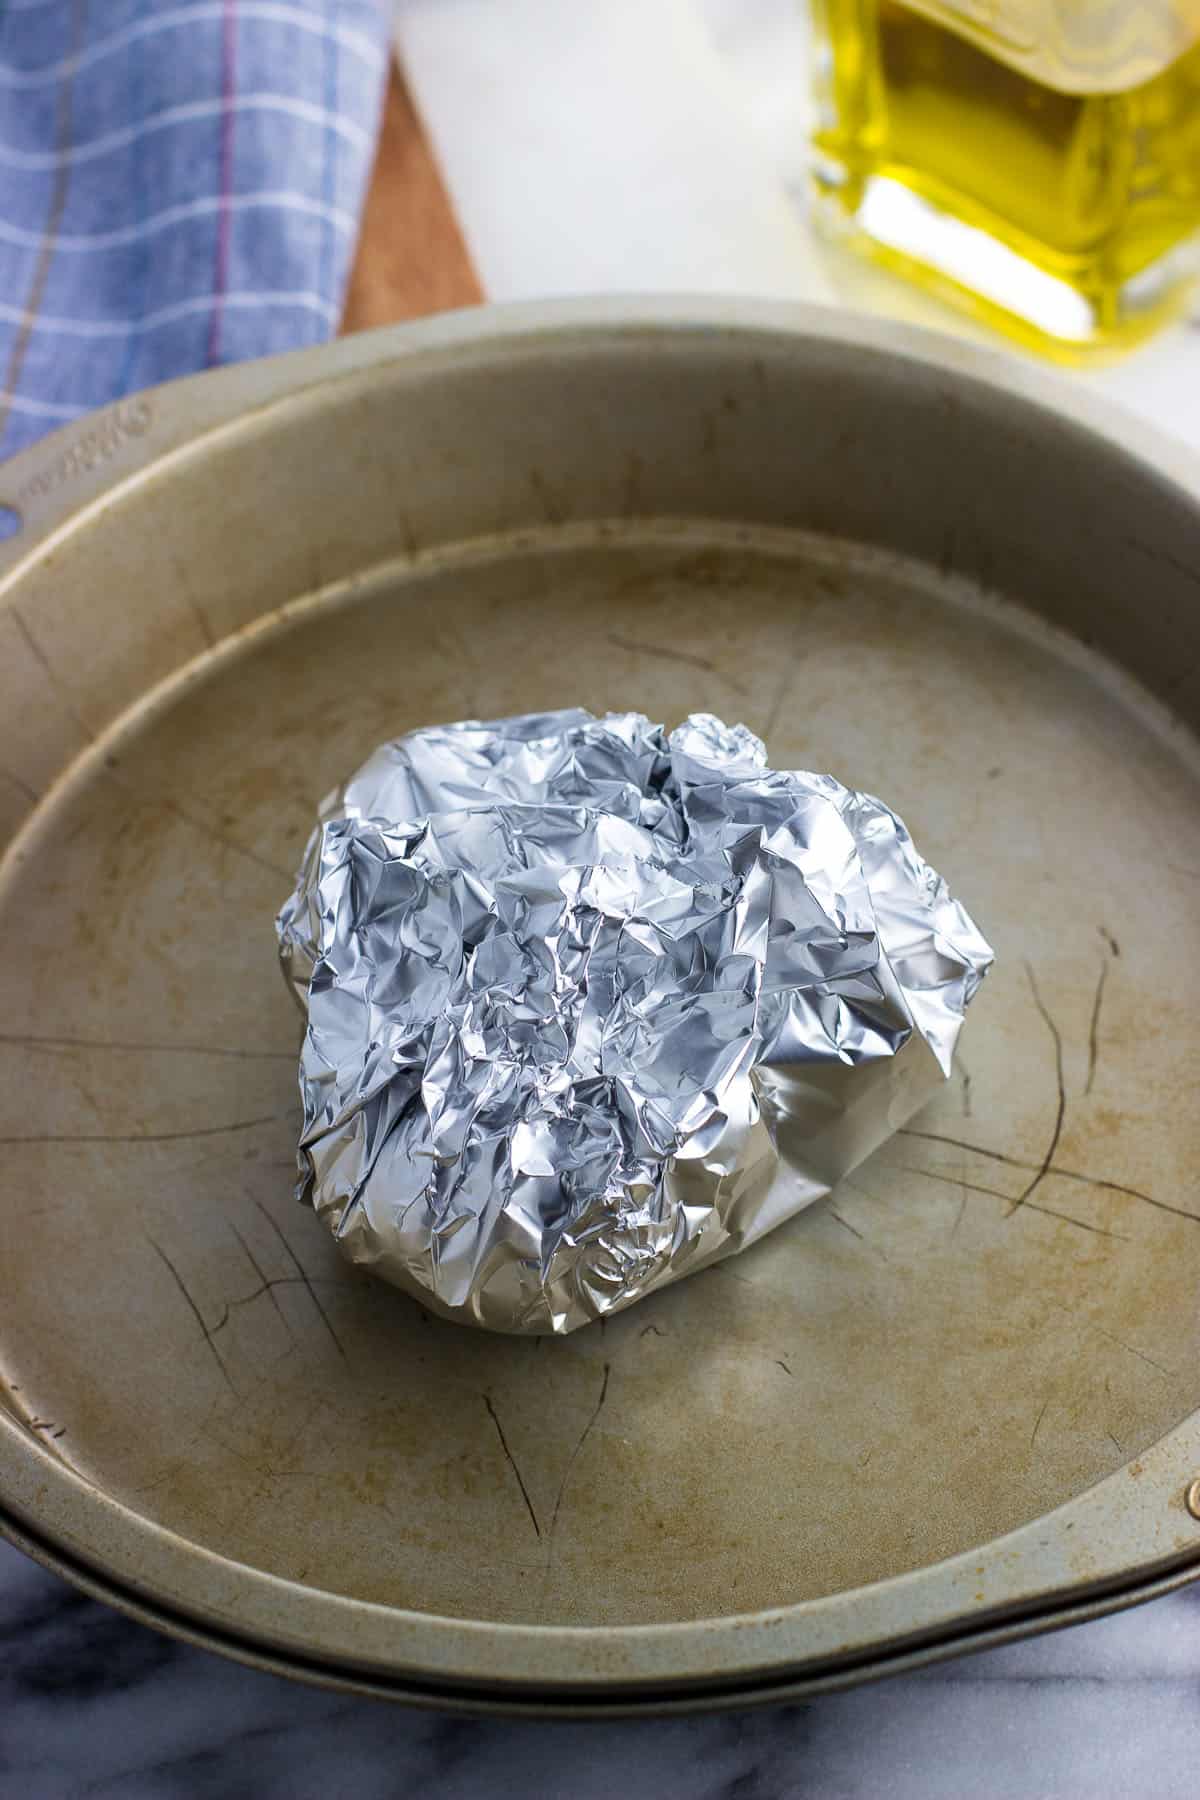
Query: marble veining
{"x": 91, "y": 1703}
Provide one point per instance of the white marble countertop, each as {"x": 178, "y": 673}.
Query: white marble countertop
{"x": 91, "y": 1703}
{"x": 680, "y": 132}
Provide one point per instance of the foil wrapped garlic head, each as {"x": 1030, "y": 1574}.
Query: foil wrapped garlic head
{"x": 589, "y": 1006}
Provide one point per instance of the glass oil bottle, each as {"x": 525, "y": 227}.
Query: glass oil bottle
{"x": 1035, "y": 160}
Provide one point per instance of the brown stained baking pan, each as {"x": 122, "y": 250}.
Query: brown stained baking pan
{"x": 956, "y": 1403}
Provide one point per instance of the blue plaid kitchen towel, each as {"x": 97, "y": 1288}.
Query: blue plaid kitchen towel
{"x": 180, "y": 185}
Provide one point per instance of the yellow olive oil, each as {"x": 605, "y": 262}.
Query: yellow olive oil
{"x": 1067, "y": 216}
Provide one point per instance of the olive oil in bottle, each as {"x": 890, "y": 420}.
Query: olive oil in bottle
{"x": 1037, "y": 160}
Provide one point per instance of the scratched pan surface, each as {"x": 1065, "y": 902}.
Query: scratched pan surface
{"x": 957, "y": 1401}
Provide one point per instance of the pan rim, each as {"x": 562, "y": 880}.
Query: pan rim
{"x": 48, "y": 1504}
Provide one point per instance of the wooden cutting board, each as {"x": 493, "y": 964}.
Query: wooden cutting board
{"x": 411, "y": 256}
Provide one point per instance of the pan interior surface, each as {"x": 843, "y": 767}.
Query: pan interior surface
{"x": 993, "y": 1313}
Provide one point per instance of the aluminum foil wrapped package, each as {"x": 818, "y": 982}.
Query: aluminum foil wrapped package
{"x": 589, "y": 1005}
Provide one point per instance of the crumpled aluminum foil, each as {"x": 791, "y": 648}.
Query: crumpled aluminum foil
{"x": 589, "y": 1005}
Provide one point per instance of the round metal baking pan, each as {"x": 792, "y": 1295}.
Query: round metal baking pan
{"x": 957, "y": 1402}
